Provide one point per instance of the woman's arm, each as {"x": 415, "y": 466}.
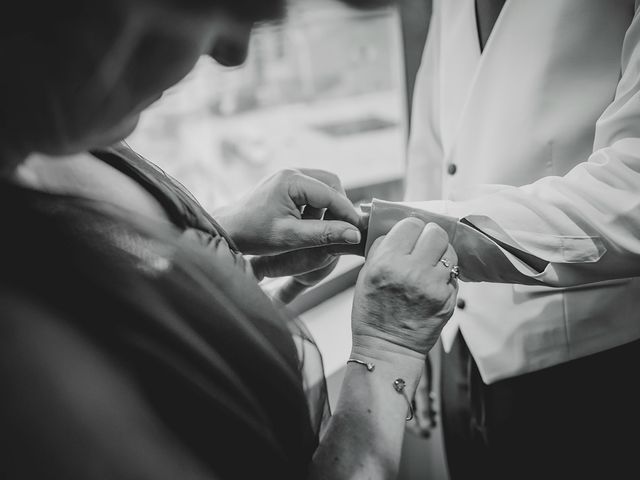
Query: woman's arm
{"x": 404, "y": 296}
{"x": 364, "y": 437}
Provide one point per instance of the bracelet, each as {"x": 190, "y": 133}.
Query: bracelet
{"x": 398, "y": 384}
{"x": 370, "y": 366}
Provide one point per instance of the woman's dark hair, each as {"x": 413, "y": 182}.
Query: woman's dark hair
{"x": 251, "y": 10}
{"x": 267, "y": 9}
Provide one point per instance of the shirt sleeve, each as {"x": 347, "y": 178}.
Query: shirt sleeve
{"x": 559, "y": 231}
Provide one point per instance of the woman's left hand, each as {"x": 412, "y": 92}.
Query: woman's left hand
{"x": 306, "y": 267}
{"x": 293, "y": 210}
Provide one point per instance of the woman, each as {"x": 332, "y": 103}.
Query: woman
{"x": 135, "y": 341}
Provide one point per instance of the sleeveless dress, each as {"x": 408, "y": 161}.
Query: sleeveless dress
{"x": 167, "y": 359}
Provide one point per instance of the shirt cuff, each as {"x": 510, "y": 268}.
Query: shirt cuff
{"x": 480, "y": 258}
{"x": 383, "y": 215}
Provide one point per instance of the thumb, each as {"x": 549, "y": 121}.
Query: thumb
{"x": 317, "y": 233}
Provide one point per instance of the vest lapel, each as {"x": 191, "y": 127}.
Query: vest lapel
{"x": 465, "y": 63}
{"x": 460, "y": 58}
{"x": 517, "y": 98}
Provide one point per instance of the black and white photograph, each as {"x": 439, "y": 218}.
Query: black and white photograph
{"x": 320, "y": 240}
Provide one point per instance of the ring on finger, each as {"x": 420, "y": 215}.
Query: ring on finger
{"x": 445, "y": 262}
{"x": 455, "y": 272}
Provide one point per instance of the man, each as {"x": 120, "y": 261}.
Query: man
{"x": 527, "y": 123}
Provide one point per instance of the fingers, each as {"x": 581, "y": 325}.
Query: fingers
{"x": 299, "y": 234}
{"x": 306, "y": 190}
{"x": 443, "y": 271}
{"x": 292, "y": 263}
{"x": 344, "y": 249}
{"x": 294, "y": 286}
{"x": 363, "y": 222}
{"x": 328, "y": 178}
{"x": 452, "y": 259}
{"x": 289, "y": 291}
{"x": 433, "y": 248}
{"x": 427, "y": 246}
{"x": 451, "y": 256}
{"x": 311, "y": 278}
{"x": 431, "y": 245}
{"x": 349, "y": 249}
{"x": 312, "y": 213}
{"x": 402, "y": 238}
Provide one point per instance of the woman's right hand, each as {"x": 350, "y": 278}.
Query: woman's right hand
{"x": 405, "y": 294}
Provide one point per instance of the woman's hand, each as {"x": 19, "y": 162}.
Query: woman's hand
{"x": 405, "y": 294}
{"x": 297, "y": 222}
{"x": 287, "y": 211}
{"x": 306, "y": 267}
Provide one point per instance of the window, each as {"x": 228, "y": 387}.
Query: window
{"x": 323, "y": 89}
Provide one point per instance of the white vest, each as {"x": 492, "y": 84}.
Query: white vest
{"x": 525, "y": 109}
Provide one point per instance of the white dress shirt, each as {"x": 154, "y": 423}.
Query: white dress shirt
{"x": 536, "y": 145}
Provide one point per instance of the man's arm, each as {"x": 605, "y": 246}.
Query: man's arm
{"x": 561, "y": 231}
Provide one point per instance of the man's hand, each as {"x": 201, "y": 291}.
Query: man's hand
{"x": 293, "y": 210}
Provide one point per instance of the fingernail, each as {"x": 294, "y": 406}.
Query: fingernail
{"x": 352, "y": 236}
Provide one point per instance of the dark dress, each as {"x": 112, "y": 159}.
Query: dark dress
{"x": 135, "y": 349}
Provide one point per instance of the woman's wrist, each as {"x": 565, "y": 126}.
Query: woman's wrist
{"x": 225, "y": 218}
{"x": 384, "y": 349}
{"x": 389, "y": 359}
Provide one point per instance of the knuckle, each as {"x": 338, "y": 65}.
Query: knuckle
{"x": 397, "y": 282}
{"x": 277, "y": 236}
{"x": 286, "y": 175}
{"x": 409, "y": 225}
{"x": 332, "y": 177}
{"x": 380, "y": 274}
{"x": 293, "y": 183}
{"x": 326, "y": 236}
{"x": 336, "y": 184}
{"x": 437, "y": 233}
{"x": 413, "y": 222}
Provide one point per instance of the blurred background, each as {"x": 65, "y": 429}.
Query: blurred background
{"x": 325, "y": 88}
